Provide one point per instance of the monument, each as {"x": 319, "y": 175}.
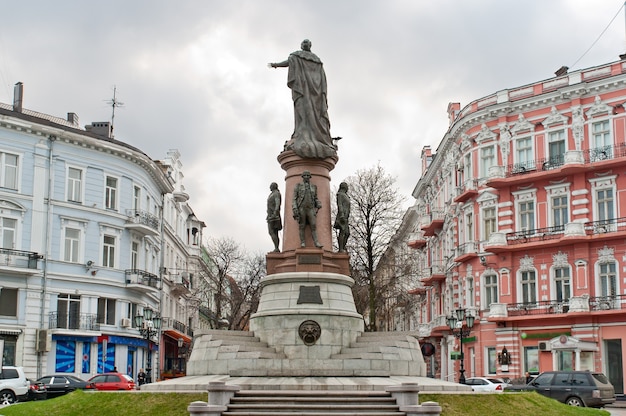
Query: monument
{"x": 306, "y": 333}
{"x": 306, "y": 324}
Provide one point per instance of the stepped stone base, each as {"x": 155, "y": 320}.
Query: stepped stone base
{"x": 274, "y": 346}
{"x": 240, "y": 353}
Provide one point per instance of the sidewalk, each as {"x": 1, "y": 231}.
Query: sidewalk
{"x": 620, "y": 403}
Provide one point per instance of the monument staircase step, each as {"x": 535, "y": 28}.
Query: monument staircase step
{"x": 378, "y": 346}
{"x": 366, "y": 356}
{"x": 230, "y": 345}
{"x": 239, "y": 336}
{"x": 312, "y": 403}
{"x": 388, "y": 335}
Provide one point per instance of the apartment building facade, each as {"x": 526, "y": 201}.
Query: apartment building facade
{"x": 522, "y": 224}
{"x": 94, "y": 234}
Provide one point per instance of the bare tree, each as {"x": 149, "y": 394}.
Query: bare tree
{"x": 227, "y": 257}
{"x": 245, "y": 299}
{"x": 376, "y": 213}
{"x": 232, "y": 284}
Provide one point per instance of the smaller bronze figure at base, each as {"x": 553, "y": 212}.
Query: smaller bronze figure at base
{"x": 343, "y": 215}
{"x": 274, "y": 223}
{"x": 305, "y": 206}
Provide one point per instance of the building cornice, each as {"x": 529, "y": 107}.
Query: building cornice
{"x": 45, "y": 128}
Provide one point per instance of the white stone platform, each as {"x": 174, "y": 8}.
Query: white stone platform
{"x": 201, "y": 383}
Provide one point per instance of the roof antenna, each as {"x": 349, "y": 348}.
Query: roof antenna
{"x": 114, "y": 103}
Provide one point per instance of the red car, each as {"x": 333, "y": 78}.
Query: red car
{"x": 112, "y": 381}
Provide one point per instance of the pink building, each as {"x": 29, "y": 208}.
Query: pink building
{"x": 522, "y": 224}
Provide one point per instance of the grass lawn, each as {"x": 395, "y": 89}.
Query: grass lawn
{"x": 80, "y": 403}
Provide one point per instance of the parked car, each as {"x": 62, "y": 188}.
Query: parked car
{"x": 576, "y": 388}
{"x": 60, "y": 384}
{"x": 13, "y": 385}
{"x": 36, "y": 391}
{"x": 113, "y": 381}
{"x": 490, "y": 384}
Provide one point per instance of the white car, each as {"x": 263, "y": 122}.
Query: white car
{"x": 488, "y": 384}
{"x": 13, "y": 385}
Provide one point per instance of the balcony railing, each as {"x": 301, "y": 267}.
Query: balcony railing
{"x": 467, "y": 190}
{"x": 605, "y": 226}
{"x": 437, "y": 267}
{"x": 603, "y": 303}
{"x": 19, "y": 258}
{"x": 537, "y": 234}
{"x": 142, "y": 222}
{"x": 78, "y": 321}
{"x": 530, "y": 166}
{"x": 469, "y": 247}
{"x": 601, "y": 153}
{"x": 596, "y": 154}
{"x": 436, "y": 214}
{"x": 181, "y": 279}
{"x": 171, "y": 323}
{"x": 537, "y": 308}
{"x": 138, "y": 216}
{"x": 141, "y": 277}
{"x": 582, "y": 303}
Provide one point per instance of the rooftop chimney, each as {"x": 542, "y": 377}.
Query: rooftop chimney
{"x": 102, "y": 128}
{"x": 427, "y": 158}
{"x": 561, "y": 71}
{"x": 453, "y": 111}
{"x": 18, "y": 97}
{"x": 73, "y": 118}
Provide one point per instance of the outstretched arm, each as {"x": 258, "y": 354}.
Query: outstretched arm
{"x": 278, "y": 64}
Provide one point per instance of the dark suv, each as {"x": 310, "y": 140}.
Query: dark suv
{"x": 576, "y": 388}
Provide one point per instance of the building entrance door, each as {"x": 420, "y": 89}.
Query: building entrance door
{"x": 614, "y": 369}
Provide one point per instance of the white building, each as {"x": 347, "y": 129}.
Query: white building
{"x": 93, "y": 233}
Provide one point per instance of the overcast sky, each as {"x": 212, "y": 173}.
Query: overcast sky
{"x": 193, "y": 76}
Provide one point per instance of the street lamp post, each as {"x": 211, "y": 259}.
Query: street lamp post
{"x": 148, "y": 325}
{"x": 182, "y": 355}
{"x": 461, "y": 324}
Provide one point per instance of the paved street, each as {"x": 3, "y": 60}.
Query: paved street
{"x": 618, "y": 408}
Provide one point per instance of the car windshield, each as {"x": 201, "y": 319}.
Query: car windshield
{"x": 128, "y": 378}
{"x": 496, "y": 380}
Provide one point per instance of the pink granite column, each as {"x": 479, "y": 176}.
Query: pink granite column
{"x": 320, "y": 169}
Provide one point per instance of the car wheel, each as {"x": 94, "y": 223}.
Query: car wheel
{"x": 575, "y": 401}
{"x": 7, "y": 397}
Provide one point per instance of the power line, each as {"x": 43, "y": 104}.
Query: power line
{"x": 596, "y": 41}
